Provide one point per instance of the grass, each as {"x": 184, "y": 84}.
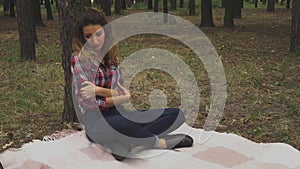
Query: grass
{"x": 262, "y": 78}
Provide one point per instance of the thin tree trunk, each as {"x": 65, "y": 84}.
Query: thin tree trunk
{"x": 107, "y": 7}
{"x": 228, "y": 17}
{"x": 206, "y": 14}
{"x": 295, "y": 32}
{"x": 150, "y": 4}
{"x": 155, "y": 6}
{"x": 271, "y": 6}
{"x": 12, "y": 12}
{"x": 181, "y": 3}
{"x": 165, "y": 10}
{"x": 5, "y": 7}
{"x": 26, "y": 31}
{"x": 255, "y": 3}
{"x": 118, "y": 6}
{"x": 173, "y": 5}
{"x": 49, "y": 10}
{"x": 192, "y": 7}
{"x": 288, "y": 4}
{"x": 124, "y": 4}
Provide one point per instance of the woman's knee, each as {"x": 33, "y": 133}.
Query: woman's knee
{"x": 178, "y": 113}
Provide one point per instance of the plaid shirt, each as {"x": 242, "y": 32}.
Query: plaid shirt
{"x": 103, "y": 76}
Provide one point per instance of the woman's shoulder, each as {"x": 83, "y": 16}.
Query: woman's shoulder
{"x": 74, "y": 57}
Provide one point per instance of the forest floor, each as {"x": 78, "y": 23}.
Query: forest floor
{"x": 263, "y": 78}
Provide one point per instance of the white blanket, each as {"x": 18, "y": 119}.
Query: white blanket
{"x": 212, "y": 150}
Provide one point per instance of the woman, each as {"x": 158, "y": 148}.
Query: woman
{"x": 98, "y": 85}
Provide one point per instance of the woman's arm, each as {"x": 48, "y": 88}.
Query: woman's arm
{"x": 116, "y": 100}
{"x": 91, "y": 90}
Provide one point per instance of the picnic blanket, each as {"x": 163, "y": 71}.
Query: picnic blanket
{"x": 211, "y": 150}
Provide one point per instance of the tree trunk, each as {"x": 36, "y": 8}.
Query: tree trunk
{"x": 165, "y": 10}
{"x": 264, "y": 2}
{"x": 288, "y": 4}
{"x": 228, "y": 18}
{"x": 26, "y": 31}
{"x": 5, "y": 7}
{"x": 49, "y": 10}
{"x": 173, "y": 5}
{"x": 155, "y": 6}
{"x": 255, "y": 3}
{"x": 42, "y": 2}
{"x": 271, "y": 6}
{"x": 295, "y": 32}
{"x": 12, "y": 8}
{"x": 87, "y": 3}
{"x": 206, "y": 14}
{"x": 118, "y": 6}
{"x": 107, "y": 7}
{"x": 36, "y": 12}
{"x": 124, "y": 4}
{"x": 150, "y": 4}
{"x": 223, "y": 3}
{"x": 192, "y": 7}
{"x": 69, "y": 10}
{"x": 181, "y": 3}
{"x": 237, "y": 8}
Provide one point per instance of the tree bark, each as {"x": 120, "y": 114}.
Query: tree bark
{"x": 295, "y": 32}
{"x": 155, "y": 6}
{"x": 173, "y": 5}
{"x": 36, "y": 12}
{"x": 255, "y": 3}
{"x": 12, "y": 12}
{"x": 5, "y": 6}
{"x": 69, "y": 10}
{"x": 165, "y": 10}
{"x": 26, "y": 31}
{"x": 228, "y": 17}
{"x": 107, "y": 7}
{"x": 237, "y": 8}
{"x": 87, "y": 3}
{"x": 192, "y": 7}
{"x": 123, "y": 4}
{"x": 49, "y": 10}
{"x": 118, "y": 6}
{"x": 181, "y": 3}
{"x": 206, "y": 14}
{"x": 271, "y": 6}
{"x": 288, "y": 4}
{"x": 150, "y": 4}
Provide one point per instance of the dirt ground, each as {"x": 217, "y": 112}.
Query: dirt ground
{"x": 263, "y": 82}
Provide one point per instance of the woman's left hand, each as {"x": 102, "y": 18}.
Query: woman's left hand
{"x": 88, "y": 91}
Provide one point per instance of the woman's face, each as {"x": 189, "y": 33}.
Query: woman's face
{"x": 94, "y": 36}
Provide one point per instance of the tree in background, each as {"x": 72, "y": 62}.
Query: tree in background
{"x": 106, "y": 5}
{"x": 229, "y": 10}
{"x": 206, "y": 14}
{"x": 192, "y": 7}
{"x": 271, "y": 6}
{"x": 69, "y": 10}
{"x": 155, "y": 6}
{"x": 181, "y": 3}
{"x": 295, "y": 32}
{"x": 12, "y": 8}
{"x": 118, "y": 6}
{"x": 26, "y": 29}
{"x": 49, "y": 10}
{"x": 173, "y": 5}
{"x": 150, "y": 4}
